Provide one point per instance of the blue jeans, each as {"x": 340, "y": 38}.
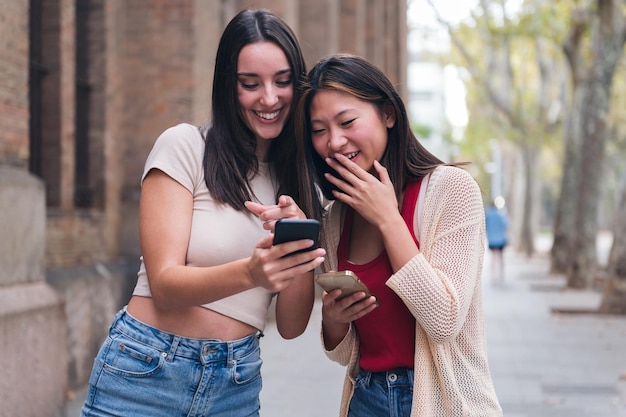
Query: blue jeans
{"x": 382, "y": 394}
{"x": 142, "y": 371}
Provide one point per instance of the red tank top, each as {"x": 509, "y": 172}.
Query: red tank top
{"x": 387, "y": 334}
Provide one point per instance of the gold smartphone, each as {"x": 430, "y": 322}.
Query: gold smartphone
{"x": 347, "y": 281}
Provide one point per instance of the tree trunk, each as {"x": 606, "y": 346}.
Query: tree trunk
{"x": 608, "y": 38}
{"x": 614, "y": 294}
{"x": 582, "y": 269}
{"x": 565, "y": 216}
{"x": 529, "y": 155}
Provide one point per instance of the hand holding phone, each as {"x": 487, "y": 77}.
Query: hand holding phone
{"x": 288, "y": 230}
{"x": 347, "y": 281}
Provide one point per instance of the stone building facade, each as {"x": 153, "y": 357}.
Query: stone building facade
{"x": 86, "y": 86}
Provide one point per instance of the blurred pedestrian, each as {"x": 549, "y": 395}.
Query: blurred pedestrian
{"x": 188, "y": 341}
{"x": 412, "y": 229}
{"x": 496, "y": 224}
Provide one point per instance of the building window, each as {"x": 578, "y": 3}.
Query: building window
{"x": 82, "y": 186}
{"x": 37, "y": 72}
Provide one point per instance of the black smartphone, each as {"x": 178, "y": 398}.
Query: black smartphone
{"x": 288, "y": 230}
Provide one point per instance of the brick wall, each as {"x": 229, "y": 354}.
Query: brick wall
{"x": 151, "y": 64}
{"x": 14, "y": 83}
{"x": 156, "y": 64}
{"x": 75, "y": 239}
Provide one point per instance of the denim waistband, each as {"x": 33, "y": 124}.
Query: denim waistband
{"x": 204, "y": 350}
{"x": 399, "y": 376}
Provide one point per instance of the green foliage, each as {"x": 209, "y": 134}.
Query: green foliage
{"x": 500, "y": 50}
{"x": 422, "y": 131}
{"x": 617, "y": 116}
{"x": 512, "y": 98}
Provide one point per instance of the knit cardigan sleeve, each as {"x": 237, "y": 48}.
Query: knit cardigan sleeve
{"x": 437, "y": 285}
{"x": 346, "y": 352}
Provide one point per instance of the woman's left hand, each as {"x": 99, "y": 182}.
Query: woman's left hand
{"x": 372, "y": 197}
{"x": 269, "y": 214}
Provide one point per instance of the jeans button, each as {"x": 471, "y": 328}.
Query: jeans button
{"x": 393, "y": 377}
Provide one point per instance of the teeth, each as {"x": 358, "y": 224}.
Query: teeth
{"x": 351, "y": 155}
{"x": 268, "y": 116}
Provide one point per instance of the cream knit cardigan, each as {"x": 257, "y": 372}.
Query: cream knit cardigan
{"x": 441, "y": 286}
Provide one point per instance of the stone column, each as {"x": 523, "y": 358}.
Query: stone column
{"x": 33, "y": 381}
{"x": 33, "y": 359}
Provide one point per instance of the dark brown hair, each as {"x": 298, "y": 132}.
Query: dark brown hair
{"x": 229, "y": 156}
{"x": 405, "y": 157}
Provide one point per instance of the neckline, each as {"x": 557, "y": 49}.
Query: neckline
{"x": 407, "y": 212}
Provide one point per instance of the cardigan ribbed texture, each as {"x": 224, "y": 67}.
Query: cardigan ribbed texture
{"x": 441, "y": 286}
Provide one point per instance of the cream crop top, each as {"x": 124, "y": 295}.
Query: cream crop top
{"x": 219, "y": 234}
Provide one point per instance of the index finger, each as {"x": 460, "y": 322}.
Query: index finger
{"x": 256, "y": 208}
{"x": 344, "y": 166}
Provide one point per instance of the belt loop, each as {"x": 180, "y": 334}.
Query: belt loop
{"x": 117, "y": 318}
{"x": 367, "y": 377}
{"x": 119, "y": 315}
{"x": 173, "y": 347}
{"x": 230, "y": 358}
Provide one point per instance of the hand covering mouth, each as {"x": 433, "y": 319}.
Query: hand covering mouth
{"x": 351, "y": 155}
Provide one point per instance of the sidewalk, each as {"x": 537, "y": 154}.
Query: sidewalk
{"x": 546, "y": 363}
{"x": 543, "y": 364}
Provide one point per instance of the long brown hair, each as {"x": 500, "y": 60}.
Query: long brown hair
{"x": 229, "y": 155}
{"x": 405, "y": 157}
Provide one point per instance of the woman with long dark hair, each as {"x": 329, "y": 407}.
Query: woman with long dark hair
{"x": 188, "y": 341}
{"x": 411, "y": 227}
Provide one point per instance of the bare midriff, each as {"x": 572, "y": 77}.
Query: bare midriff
{"x": 194, "y": 322}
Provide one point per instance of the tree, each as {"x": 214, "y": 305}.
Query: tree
{"x": 513, "y": 67}
{"x": 592, "y": 67}
{"x": 614, "y": 294}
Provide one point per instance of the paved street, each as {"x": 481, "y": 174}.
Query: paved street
{"x": 544, "y": 363}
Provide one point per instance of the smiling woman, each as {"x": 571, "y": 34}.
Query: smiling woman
{"x": 343, "y": 124}
{"x": 209, "y": 271}
{"x": 411, "y": 228}
{"x": 265, "y": 91}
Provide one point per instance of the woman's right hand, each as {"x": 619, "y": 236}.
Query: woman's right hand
{"x": 348, "y": 309}
{"x": 338, "y": 314}
{"x": 271, "y": 269}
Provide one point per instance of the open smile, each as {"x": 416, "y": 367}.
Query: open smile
{"x": 267, "y": 116}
